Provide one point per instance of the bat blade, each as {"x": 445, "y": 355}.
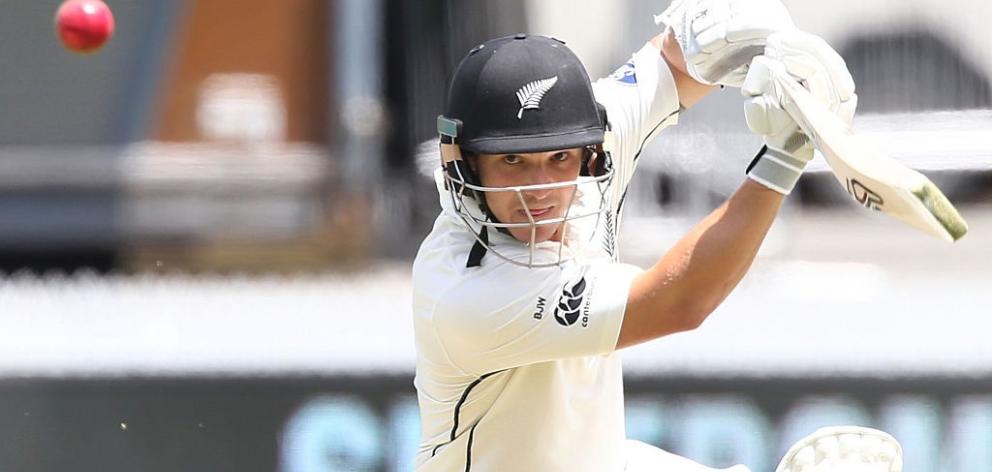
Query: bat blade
{"x": 872, "y": 178}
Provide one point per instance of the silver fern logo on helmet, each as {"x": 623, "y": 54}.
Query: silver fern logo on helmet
{"x": 530, "y": 95}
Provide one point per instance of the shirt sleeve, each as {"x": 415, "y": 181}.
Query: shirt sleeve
{"x": 640, "y": 99}
{"x": 512, "y": 316}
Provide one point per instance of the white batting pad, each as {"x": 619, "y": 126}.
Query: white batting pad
{"x": 844, "y": 449}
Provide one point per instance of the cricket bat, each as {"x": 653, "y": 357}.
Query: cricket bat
{"x": 875, "y": 180}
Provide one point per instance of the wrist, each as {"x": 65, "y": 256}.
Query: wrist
{"x": 671, "y": 51}
{"x": 689, "y": 89}
{"x": 776, "y": 169}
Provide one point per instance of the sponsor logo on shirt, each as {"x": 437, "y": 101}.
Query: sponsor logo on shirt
{"x": 570, "y": 305}
{"x": 625, "y": 74}
{"x": 539, "y": 310}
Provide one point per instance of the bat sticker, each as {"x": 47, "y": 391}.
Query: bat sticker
{"x": 864, "y": 195}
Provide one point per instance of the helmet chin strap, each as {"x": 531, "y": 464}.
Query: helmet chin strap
{"x": 455, "y": 165}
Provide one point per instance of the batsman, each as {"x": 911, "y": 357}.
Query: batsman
{"x": 520, "y": 303}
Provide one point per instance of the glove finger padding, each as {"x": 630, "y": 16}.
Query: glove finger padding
{"x": 767, "y": 117}
{"x": 818, "y": 67}
{"x": 720, "y": 37}
{"x": 763, "y": 109}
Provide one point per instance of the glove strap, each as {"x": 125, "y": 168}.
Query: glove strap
{"x": 776, "y": 170}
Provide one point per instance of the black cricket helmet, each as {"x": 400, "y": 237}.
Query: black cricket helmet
{"x": 520, "y": 94}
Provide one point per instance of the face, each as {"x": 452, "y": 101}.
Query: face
{"x": 511, "y": 170}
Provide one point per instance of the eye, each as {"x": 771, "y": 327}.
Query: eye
{"x": 561, "y": 156}
{"x": 512, "y": 159}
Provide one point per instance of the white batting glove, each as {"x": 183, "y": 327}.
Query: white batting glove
{"x": 816, "y": 66}
{"x": 720, "y": 37}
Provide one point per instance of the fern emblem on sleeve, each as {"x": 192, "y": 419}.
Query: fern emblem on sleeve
{"x": 530, "y": 95}
{"x": 609, "y": 236}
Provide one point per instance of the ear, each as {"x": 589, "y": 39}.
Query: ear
{"x": 592, "y": 162}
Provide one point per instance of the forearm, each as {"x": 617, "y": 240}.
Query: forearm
{"x": 698, "y": 273}
{"x": 690, "y": 91}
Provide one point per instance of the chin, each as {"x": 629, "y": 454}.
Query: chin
{"x": 541, "y": 235}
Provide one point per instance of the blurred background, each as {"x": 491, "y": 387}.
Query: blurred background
{"x": 206, "y": 231}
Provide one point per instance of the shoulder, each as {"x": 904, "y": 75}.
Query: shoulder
{"x": 448, "y": 289}
{"x": 498, "y": 289}
{"x": 495, "y": 297}
{"x": 443, "y": 250}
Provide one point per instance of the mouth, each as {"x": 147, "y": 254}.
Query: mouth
{"x": 537, "y": 212}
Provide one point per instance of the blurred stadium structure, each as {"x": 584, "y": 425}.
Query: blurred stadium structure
{"x": 277, "y": 137}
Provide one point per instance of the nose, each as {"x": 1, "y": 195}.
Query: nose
{"x": 540, "y": 176}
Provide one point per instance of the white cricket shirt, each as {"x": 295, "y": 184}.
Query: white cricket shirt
{"x": 516, "y": 369}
